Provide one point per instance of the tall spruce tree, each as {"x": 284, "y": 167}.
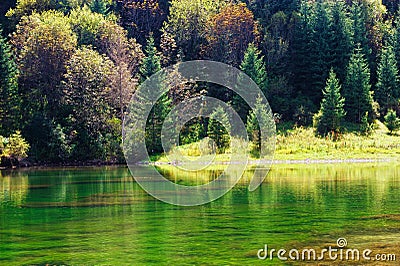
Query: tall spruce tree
{"x": 321, "y": 53}
{"x": 359, "y": 29}
{"x": 217, "y": 131}
{"x": 341, "y": 40}
{"x": 300, "y": 48}
{"x": 253, "y": 65}
{"x": 151, "y": 64}
{"x": 253, "y": 126}
{"x": 9, "y": 101}
{"x": 330, "y": 116}
{"x": 387, "y": 90}
{"x": 357, "y": 88}
{"x": 396, "y": 39}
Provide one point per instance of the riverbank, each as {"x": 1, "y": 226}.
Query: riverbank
{"x": 300, "y": 145}
{"x": 26, "y": 163}
{"x": 293, "y": 146}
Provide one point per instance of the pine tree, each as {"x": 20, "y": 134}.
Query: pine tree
{"x": 9, "y": 102}
{"x": 151, "y": 64}
{"x": 253, "y": 65}
{"x": 254, "y": 125}
{"x": 332, "y": 111}
{"x": 217, "y": 130}
{"x": 300, "y": 48}
{"x": 387, "y": 90}
{"x": 357, "y": 88}
{"x": 360, "y": 34}
{"x": 99, "y": 6}
{"x": 321, "y": 53}
{"x": 391, "y": 121}
{"x": 341, "y": 40}
{"x": 396, "y": 39}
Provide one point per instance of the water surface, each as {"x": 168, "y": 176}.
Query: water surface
{"x": 100, "y": 216}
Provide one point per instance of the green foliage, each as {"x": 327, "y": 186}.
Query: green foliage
{"x": 73, "y": 103}
{"x": 331, "y": 113}
{"x": 192, "y": 132}
{"x": 151, "y": 64}
{"x": 341, "y": 45}
{"x": 300, "y": 48}
{"x": 5, "y": 21}
{"x": 360, "y": 33}
{"x": 187, "y": 22}
{"x": 396, "y": 39}
{"x": 392, "y": 122}
{"x": 60, "y": 145}
{"x": 9, "y": 100}
{"x": 320, "y": 56}
{"x": 99, "y": 6}
{"x": 253, "y": 65}
{"x": 365, "y": 126}
{"x": 27, "y": 7}
{"x": 387, "y": 90}
{"x": 15, "y": 146}
{"x": 86, "y": 89}
{"x": 259, "y": 117}
{"x": 86, "y": 25}
{"x": 219, "y": 129}
{"x": 357, "y": 88}
{"x": 44, "y": 43}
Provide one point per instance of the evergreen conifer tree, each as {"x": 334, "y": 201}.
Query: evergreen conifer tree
{"x": 261, "y": 112}
{"x": 387, "y": 90}
{"x": 332, "y": 111}
{"x": 99, "y": 6}
{"x": 253, "y": 65}
{"x": 152, "y": 64}
{"x": 217, "y": 130}
{"x": 360, "y": 34}
{"x": 357, "y": 88}
{"x": 391, "y": 121}
{"x": 341, "y": 40}
{"x": 321, "y": 53}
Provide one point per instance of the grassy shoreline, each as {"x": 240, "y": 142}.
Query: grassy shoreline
{"x": 300, "y": 145}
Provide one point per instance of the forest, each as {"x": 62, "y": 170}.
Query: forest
{"x": 68, "y": 68}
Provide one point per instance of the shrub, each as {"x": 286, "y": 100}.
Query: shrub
{"x": 13, "y": 149}
{"x": 392, "y": 122}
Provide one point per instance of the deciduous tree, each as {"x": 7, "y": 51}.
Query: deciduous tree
{"x": 230, "y": 33}
{"x": 9, "y": 98}
{"x": 141, "y": 17}
{"x": 43, "y": 43}
{"x": 86, "y": 87}
{"x": 187, "y": 23}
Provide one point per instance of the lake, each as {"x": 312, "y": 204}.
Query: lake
{"x": 100, "y": 216}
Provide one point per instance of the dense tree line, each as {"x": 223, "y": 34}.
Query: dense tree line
{"x": 69, "y": 67}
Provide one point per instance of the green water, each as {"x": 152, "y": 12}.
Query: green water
{"x": 100, "y": 216}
